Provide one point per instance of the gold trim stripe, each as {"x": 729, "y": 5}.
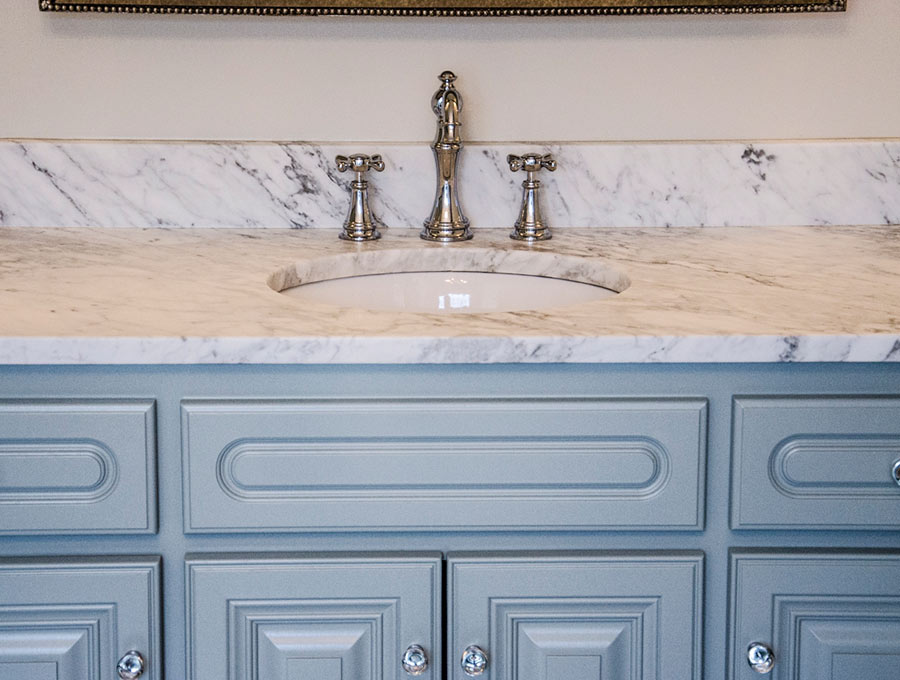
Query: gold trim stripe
{"x": 528, "y": 10}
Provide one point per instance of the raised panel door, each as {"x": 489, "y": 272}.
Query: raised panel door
{"x": 84, "y": 466}
{"x": 588, "y": 616}
{"x": 822, "y": 462}
{"x": 292, "y": 617}
{"x": 449, "y": 464}
{"x": 73, "y": 618}
{"x": 823, "y": 615}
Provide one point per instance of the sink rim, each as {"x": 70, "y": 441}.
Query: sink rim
{"x": 591, "y": 270}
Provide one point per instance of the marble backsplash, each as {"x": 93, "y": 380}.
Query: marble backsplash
{"x": 296, "y": 185}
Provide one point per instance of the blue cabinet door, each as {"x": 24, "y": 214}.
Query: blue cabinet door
{"x": 576, "y": 616}
{"x": 821, "y": 462}
{"x": 822, "y": 615}
{"x": 74, "y": 618}
{"x": 443, "y": 464}
{"x": 290, "y": 617}
{"x": 85, "y": 466}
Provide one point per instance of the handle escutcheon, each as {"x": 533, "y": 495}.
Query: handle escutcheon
{"x": 760, "y": 657}
{"x": 415, "y": 660}
{"x": 474, "y": 661}
{"x": 131, "y": 666}
{"x": 895, "y": 472}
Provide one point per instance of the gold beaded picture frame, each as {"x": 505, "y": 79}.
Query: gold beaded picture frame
{"x": 444, "y": 7}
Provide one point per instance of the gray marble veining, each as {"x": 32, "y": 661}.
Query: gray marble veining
{"x": 296, "y": 185}
{"x": 741, "y": 294}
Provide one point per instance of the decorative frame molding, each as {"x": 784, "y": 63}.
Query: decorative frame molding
{"x": 444, "y": 7}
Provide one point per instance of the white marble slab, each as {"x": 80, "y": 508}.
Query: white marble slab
{"x": 185, "y": 296}
{"x": 244, "y": 185}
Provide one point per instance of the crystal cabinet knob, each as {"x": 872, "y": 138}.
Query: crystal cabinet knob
{"x": 415, "y": 660}
{"x": 474, "y": 661}
{"x": 760, "y": 657}
{"x": 131, "y": 666}
{"x": 895, "y": 472}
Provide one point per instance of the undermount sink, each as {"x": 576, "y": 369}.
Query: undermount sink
{"x": 449, "y": 281}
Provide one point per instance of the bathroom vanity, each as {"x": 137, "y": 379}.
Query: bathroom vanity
{"x": 201, "y": 478}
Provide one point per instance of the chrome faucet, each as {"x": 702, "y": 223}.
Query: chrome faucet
{"x": 447, "y": 222}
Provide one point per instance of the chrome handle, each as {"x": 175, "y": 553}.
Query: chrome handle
{"x": 895, "y": 472}
{"x": 131, "y": 666}
{"x": 415, "y": 660}
{"x": 531, "y": 162}
{"x": 530, "y": 225}
{"x": 474, "y": 661}
{"x": 760, "y": 657}
{"x": 361, "y": 224}
{"x": 359, "y": 162}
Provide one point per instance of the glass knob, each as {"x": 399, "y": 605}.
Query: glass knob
{"x": 131, "y": 666}
{"x": 474, "y": 660}
{"x": 760, "y": 657}
{"x": 895, "y": 472}
{"x": 415, "y": 660}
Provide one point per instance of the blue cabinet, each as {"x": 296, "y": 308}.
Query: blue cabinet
{"x": 558, "y": 522}
{"x": 538, "y": 616}
{"x": 76, "y": 618}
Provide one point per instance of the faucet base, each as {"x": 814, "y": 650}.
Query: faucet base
{"x": 359, "y": 232}
{"x": 446, "y": 232}
{"x": 530, "y": 232}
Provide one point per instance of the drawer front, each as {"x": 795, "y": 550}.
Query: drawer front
{"x": 449, "y": 464}
{"x": 75, "y": 618}
{"x": 824, "y": 616}
{"x": 562, "y": 617}
{"x": 329, "y": 618}
{"x": 77, "y": 466}
{"x": 815, "y": 462}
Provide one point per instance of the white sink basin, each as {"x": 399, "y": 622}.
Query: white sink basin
{"x": 449, "y": 281}
{"x": 449, "y": 292}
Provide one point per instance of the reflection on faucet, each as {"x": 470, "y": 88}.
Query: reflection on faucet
{"x": 447, "y": 222}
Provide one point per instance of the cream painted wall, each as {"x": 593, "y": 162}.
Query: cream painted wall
{"x": 332, "y": 79}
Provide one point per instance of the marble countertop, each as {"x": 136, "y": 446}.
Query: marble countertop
{"x": 182, "y": 296}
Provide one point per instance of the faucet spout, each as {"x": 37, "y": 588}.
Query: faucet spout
{"x": 446, "y": 104}
{"x": 447, "y": 222}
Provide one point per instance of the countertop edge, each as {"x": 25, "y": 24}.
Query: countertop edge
{"x": 51, "y": 350}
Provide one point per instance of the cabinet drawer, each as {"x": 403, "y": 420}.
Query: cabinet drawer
{"x": 285, "y": 617}
{"x": 68, "y": 618}
{"x": 577, "y": 616}
{"x": 444, "y": 464}
{"x": 815, "y": 462}
{"x": 77, "y": 466}
{"x": 823, "y": 615}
